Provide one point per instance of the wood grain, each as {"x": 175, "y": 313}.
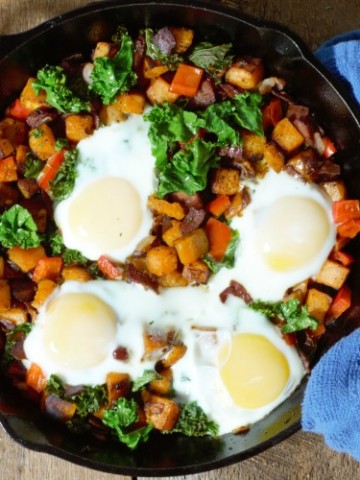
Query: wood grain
{"x": 302, "y": 456}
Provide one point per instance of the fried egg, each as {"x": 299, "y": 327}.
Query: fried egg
{"x": 106, "y": 213}
{"x": 236, "y": 366}
{"x": 286, "y": 234}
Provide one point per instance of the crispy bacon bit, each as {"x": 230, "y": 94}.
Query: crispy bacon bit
{"x": 205, "y": 95}
{"x": 187, "y": 200}
{"x": 164, "y": 40}
{"x": 139, "y": 52}
{"x": 121, "y": 353}
{"x": 235, "y": 153}
{"x": 73, "y": 63}
{"x": 23, "y": 289}
{"x": 328, "y": 171}
{"x": 145, "y": 279}
{"x": 193, "y": 219}
{"x": 227, "y": 91}
{"x": 235, "y": 288}
{"x": 271, "y": 83}
{"x": 71, "y": 390}
{"x": 40, "y": 116}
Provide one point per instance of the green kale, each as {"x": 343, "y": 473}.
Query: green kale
{"x": 183, "y": 160}
{"x": 64, "y": 181}
{"x": 69, "y": 255}
{"x": 229, "y": 258}
{"x": 11, "y": 338}
{"x": 37, "y": 133}
{"x": 61, "y": 143}
{"x": 55, "y": 386}
{"x": 212, "y": 58}
{"x": 193, "y": 422}
{"x": 17, "y": 227}
{"x": 295, "y": 315}
{"x": 112, "y": 76}
{"x": 54, "y": 81}
{"x": 89, "y": 400}
{"x": 33, "y": 166}
{"x": 147, "y": 377}
{"x": 171, "y": 60}
{"x": 123, "y": 415}
{"x": 95, "y": 271}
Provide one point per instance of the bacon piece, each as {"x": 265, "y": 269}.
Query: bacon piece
{"x": 235, "y": 288}
{"x": 41, "y": 115}
{"x": 146, "y": 280}
{"x": 193, "y": 219}
{"x": 205, "y": 95}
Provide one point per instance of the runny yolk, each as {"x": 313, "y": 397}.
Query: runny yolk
{"x": 107, "y": 214}
{"x": 253, "y": 370}
{"x": 79, "y": 329}
{"x": 293, "y": 231}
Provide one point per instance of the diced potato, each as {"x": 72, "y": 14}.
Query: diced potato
{"x": 30, "y": 100}
{"x": 45, "y": 288}
{"x": 226, "y": 181}
{"x": 173, "y": 356}
{"x": 197, "y": 272}
{"x": 332, "y": 274}
{"x": 172, "y": 280}
{"x": 335, "y": 189}
{"x": 192, "y": 246}
{"x": 318, "y": 303}
{"x": 239, "y": 201}
{"x": 111, "y": 114}
{"x": 15, "y": 315}
{"x": 173, "y": 233}
{"x": 6, "y": 148}
{"x": 21, "y": 153}
{"x": 5, "y": 296}
{"x": 287, "y": 135}
{"x": 245, "y": 73}
{"x": 273, "y": 157}
{"x": 305, "y": 163}
{"x": 163, "y": 385}
{"x": 26, "y": 258}
{"x": 161, "y": 412}
{"x": 253, "y": 145}
{"x": 8, "y": 170}
{"x": 79, "y": 274}
{"x": 42, "y": 141}
{"x": 183, "y": 37}
{"x": 78, "y": 127}
{"x": 103, "y": 49}
{"x": 47, "y": 267}
{"x": 14, "y": 130}
{"x": 117, "y": 385}
{"x": 161, "y": 260}
{"x": 154, "y": 341}
{"x": 158, "y": 92}
{"x": 131, "y": 103}
{"x": 153, "y": 69}
{"x": 173, "y": 210}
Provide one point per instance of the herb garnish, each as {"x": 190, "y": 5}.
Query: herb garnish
{"x": 229, "y": 258}
{"x": 147, "y": 377}
{"x": 17, "y": 227}
{"x": 193, "y": 422}
{"x": 63, "y": 183}
{"x": 212, "y": 58}
{"x": 69, "y": 255}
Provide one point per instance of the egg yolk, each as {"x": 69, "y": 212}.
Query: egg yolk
{"x": 253, "y": 370}
{"x": 292, "y": 232}
{"x": 78, "y": 330}
{"x": 106, "y": 215}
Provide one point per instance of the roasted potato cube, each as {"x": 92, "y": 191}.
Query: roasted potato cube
{"x": 103, "y": 49}
{"x": 161, "y": 260}
{"x": 161, "y": 412}
{"x": 15, "y": 315}
{"x": 335, "y": 189}
{"x": 175, "y": 353}
{"x": 29, "y": 99}
{"x": 5, "y": 297}
{"x": 172, "y": 280}
{"x": 173, "y": 233}
{"x": 158, "y": 92}
{"x": 117, "y": 385}
{"x": 318, "y": 303}
{"x": 287, "y": 135}
{"x": 42, "y": 141}
{"x": 78, "y": 127}
{"x": 306, "y": 164}
{"x": 332, "y": 274}
{"x": 47, "y": 267}
{"x": 45, "y": 288}
{"x": 154, "y": 341}
{"x": 173, "y": 210}
{"x": 197, "y": 272}
{"x": 8, "y": 170}
{"x": 253, "y": 145}
{"x": 163, "y": 385}
{"x": 111, "y": 113}
{"x": 183, "y": 37}
{"x": 273, "y": 157}
{"x": 153, "y": 69}
{"x": 131, "y": 103}
{"x": 6, "y": 148}
{"x": 21, "y": 154}
{"x": 245, "y": 73}
{"x": 79, "y": 274}
{"x": 192, "y": 246}
{"x": 14, "y": 130}
{"x": 26, "y": 258}
{"x": 226, "y": 181}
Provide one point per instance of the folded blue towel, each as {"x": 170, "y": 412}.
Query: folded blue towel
{"x": 331, "y": 405}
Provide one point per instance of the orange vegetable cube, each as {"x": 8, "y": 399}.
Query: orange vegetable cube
{"x": 219, "y": 235}
{"x": 35, "y": 378}
{"x": 186, "y": 80}
{"x": 26, "y": 258}
{"x": 8, "y": 170}
{"x": 48, "y": 267}
{"x": 45, "y": 288}
{"x": 78, "y": 127}
{"x": 192, "y": 246}
{"x": 287, "y": 135}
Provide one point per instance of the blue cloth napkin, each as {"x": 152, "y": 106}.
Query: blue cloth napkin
{"x": 331, "y": 405}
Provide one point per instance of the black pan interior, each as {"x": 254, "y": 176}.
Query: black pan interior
{"x": 307, "y": 81}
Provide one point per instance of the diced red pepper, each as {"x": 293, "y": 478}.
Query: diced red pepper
{"x": 344, "y": 258}
{"x": 330, "y": 148}
{"x": 110, "y": 270}
{"x": 340, "y": 304}
{"x": 186, "y": 80}
{"x": 18, "y": 112}
{"x": 218, "y": 206}
{"x": 350, "y": 228}
{"x": 272, "y": 113}
{"x": 51, "y": 168}
{"x": 344, "y": 210}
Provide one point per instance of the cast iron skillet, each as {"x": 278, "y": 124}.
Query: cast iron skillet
{"x": 308, "y": 82}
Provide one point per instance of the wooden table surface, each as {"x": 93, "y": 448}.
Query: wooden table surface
{"x": 302, "y": 456}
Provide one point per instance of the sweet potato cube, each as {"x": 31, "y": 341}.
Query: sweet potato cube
{"x": 29, "y": 99}
{"x": 131, "y": 103}
{"x": 8, "y": 170}
{"x": 332, "y": 274}
{"x": 6, "y": 148}
{"x": 192, "y": 246}
{"x": 318, "y": 303}
{"x": 154, "y": 341}
{"x": 161, "y": 412}
{"x": 173, "y": 210}
{"x": 15, "y": 315}
{"x": 42, "y": 141}
{"x": 161, "y": 260}
{"x": 47, "y": 267}
{"x": 21, "y": 154}
{"x": 79, "y": 274}
{"x": 14, "y": 130}
{"x": 117, "y": 385}
{"x": 78, "y": 127}
{"x": 253, "y": 145}
{"x": 287, "y": 135}
{"x": 273, "y": 157}
{"x": 35, "y": 378}
{"x": 111, "y": 114}
{"x": 5, "y": 296}
{"x": 173, "y": 233}
{"x": 335, "y": 189}
{"x": 45, "y": 288}
{"x": 153, "y": 69}
{"x": 245, "y": 73}
{"x": 172, "y": 280}
{"x": 158, "y": 92}
{"x": 26, "y": 258}
{"x": 197, "y": 272}
{"x": 175, "y": 353}
{"x": 226, "y": 181}
{"x": 163, "y": 385}
{"x": 103, "y": 49}
{"x": 183, "y": 37}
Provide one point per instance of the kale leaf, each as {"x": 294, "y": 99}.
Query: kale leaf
{"x": 229, "y": 258}
{"x": 55, "y": 386}
{"x": 193, "y": 422}
{"x": 295, "y": 315}
{"x": 69, "y": 255}
{"x": 112, "y": 76}
{"x": 17, "y": 227}
{"x": 32, "y": 167}
{"x": 89, "y": 400}
{"x": 64, "y": 181}
{"x": 54, "y": 81}
{"x": 212, "y": 58}
{"x": 147, "y": 377}
{"x": 122, "y": 415}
